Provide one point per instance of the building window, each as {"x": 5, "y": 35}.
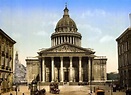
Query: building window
{"x": 122, "y": 48}
{"x": 119, "y": 50}
{"x": 125, "y": 46}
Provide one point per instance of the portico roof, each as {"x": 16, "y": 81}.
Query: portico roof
{"x": 67, "y": 49}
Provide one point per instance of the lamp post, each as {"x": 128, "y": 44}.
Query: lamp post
{"x": 111, "y": 87}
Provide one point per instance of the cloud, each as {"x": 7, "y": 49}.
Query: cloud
{"x": 106, "y": 39}
{"x": 41, "y": 33}
{"x": 92, "y": 32}
{"x": 95, "y": 12}
{"x": 16, "y": 35}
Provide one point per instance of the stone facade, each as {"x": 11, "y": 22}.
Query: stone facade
{"x": 66, "y": 60}
{"x": 124, "y": 57}
{"x": 32, "y": 68}
{"x": 99, "y": 69}
{"x": 6, "y": 62}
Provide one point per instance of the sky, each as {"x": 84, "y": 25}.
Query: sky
{"x": 31, "y": 22}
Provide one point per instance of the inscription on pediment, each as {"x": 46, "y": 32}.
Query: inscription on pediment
{"x": 66, "y": 48}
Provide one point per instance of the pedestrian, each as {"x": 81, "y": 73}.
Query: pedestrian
{"x": 119, "y": 88}
{"x": 94, "y": 89}
{"x": 18, "y": 88}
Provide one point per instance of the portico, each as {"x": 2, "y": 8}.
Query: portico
{"x": 64, "y": 69}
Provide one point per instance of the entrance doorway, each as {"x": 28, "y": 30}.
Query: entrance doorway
{"x": 66, "y": 76}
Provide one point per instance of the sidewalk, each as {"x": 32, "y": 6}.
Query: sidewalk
{"x": 23, "y": 89}
{"x": 65, "y": 90}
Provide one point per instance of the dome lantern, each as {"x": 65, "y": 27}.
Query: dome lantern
{"x": 66, "y": 12}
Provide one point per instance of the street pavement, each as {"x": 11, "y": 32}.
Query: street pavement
{"x": 68, "y": 90}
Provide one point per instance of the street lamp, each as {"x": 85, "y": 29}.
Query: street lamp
{"x": 111, "y": 87}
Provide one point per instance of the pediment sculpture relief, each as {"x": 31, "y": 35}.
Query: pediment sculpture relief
{"x": 66, "y": 48}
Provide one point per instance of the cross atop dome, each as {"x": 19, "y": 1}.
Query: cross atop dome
{"x": 66, "y": 10}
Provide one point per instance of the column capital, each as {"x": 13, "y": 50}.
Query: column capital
{"x": 89, "y": 58}
{"x": 43, "y": 57}
{"x": 80, "y": 57}
{"x": 52, "y": 57}
{"x": 70, "y": 57}
{"x": 61, "y": 57}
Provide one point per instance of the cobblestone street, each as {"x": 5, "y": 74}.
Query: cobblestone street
{"x": 67, "y": 90}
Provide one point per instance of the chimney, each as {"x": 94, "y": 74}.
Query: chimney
{"x": 130, "y": 19}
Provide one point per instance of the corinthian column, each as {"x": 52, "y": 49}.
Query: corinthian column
{"x": 89, "y": 69}
{"x": 43, "y": 69}
{"x": 80, "y": 69}
{"x": 61, "y": 69}
{"x": 52, "y": 69}
{"x": 70, "y": 69}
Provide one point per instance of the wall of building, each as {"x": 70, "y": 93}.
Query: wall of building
{"x": 6, "y": 62}
{"x": 32, "y": 69}
{"x": 99, "y": 69}
{"x": 124, "y": 57}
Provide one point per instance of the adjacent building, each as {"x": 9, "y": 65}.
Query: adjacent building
{"x": 6, "y": 62}
{"x": 66, "y": 60}
{"x": 124, "y": 57}
{"x": 19, "y": 72}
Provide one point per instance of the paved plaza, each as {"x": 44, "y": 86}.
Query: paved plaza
{"x": 68, "y": 90}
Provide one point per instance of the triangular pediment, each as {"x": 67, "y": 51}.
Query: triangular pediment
{"x": 66, "y": 47}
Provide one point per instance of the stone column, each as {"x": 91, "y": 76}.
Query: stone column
{"x": 53, "y": 42}
{"x": 58, "y": 40}
{"x": 43, "y": 70}
{"x": 71, "y": 39}
{"x": 61, "y": 64}
{"x": 68, "y": 39}
{"x": 70, "y": 69}
{"x": 105, "y": 77}
{"x": 64, "y": 39}
{"x": 89, "y": 69}
{"x": 52, "y": 69}
{"x": 80, "y": 80}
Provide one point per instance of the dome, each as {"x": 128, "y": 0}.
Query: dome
{"x": 66, "y": 23}
{"x": 66, "y": 31}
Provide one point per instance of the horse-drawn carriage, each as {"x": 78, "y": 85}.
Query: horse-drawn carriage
{"x": 54, "y": 88}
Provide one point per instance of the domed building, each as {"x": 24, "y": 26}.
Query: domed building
{"x": 66, "y": 60}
